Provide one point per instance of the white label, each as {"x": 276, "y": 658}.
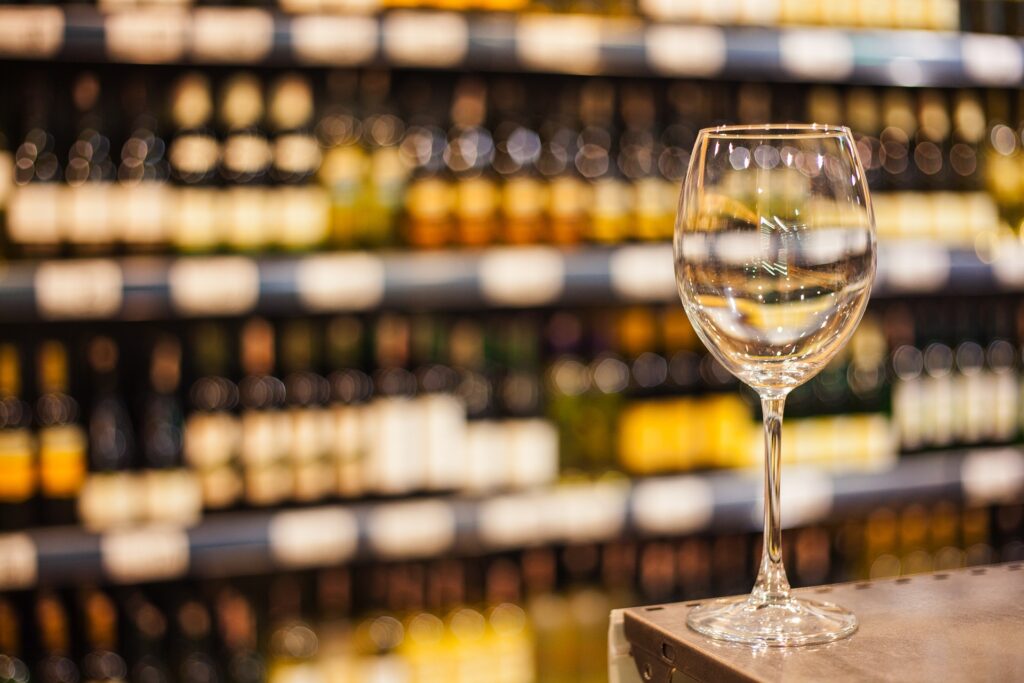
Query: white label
{"x": 31, "y": 31}
{"x": 533, "y": 452}
{"x": 993, "y": 476}
{"x": 79, "y": 289}
{"x": 209, "y": 286}
{"x": 530, "y": 276}
{"x": 439, "y": 39}
{"x": 443, "y": 419}
{"x": 231, "y": 35}
{"x": 512, "y": 521}
{"x": 33, "y": 216}
{"x": 992, "y": 60}
{"x": 18, "y": 560}
{"x": 563, "y": 43}
{"x": 588, "y": 513}
{"x": 146, "y": 35}
{"x": 816, "y": 54}
{"x": 643, "y": 273}
{"x": 334, "y": 40}
{"x": 806, "y": 498}
{"x": 144, "y": 554}
{"x": 686, "y": 50}
{"x": 676, "y": 505}
{"x": 913, "y": 266}
{"x": 339, "y": 282}
{"x": 417, "y": 529}
{"x": 310, "y": 538}
{"x": 1008, "y": 266}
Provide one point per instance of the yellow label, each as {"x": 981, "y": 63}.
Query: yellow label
{"x": 610, "y": 210}
{"x": 62, "y": 460}
{"x": 430, "y": 199}
{"x": 17, "y": 475}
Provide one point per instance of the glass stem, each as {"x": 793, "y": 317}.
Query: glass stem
{"x": 772, "y": 584}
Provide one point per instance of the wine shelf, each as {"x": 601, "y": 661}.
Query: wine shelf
{"x": 255, "y": 541}
{"x": 541, "y": 43}
{"x": 143, "y": 288}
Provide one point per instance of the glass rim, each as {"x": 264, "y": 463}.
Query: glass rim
{"x": 777, "y": 131}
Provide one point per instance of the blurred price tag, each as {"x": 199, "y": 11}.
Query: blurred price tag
{"x": 31, "y": 31}
{"x": 561, "y": 43}
{"x": 148, "y": 35}
{"x": 512, "y": 521}
{"x": 438, "y": 39}
{"x": 591, "y": 512}
{"x": 676, "y": 505}
{"x": 144, "y": 554}
{"x": 643, "y": 273}
{"x": 212, "y": 286}
{"x": 686, "y": 50}
{"x": 416, "y": 529}
{"x": 992, "y": 60}
{"x": 310, "y": 538}
{"x": 340, "y": 282}
{"x": 334, "y": 39}
{"x": 806, "y": 498}
{"x": 913, "y": 266}
{"x": 528, "y": 276}
{"x": 231, "y": 35}
{"x": 993, "y": 476}
{"x": 18, "y": 562}
{"x": 1008, "y": 266}
{"x": 79, "y": 289}
{"x": 816, "y": 54}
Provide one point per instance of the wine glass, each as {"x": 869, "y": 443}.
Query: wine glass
{"x": 775, "y": 255}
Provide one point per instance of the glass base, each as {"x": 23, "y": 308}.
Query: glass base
{"x": 779, "y": 623}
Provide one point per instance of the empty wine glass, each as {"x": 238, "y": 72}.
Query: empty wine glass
{"x": 775, "y": 255}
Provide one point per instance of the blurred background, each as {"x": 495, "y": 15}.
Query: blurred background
{"x": 340, "y": 340}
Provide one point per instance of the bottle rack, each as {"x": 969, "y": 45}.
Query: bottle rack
{"x": 143, "y": 288}
{"x": 543, "y": 43}
{"x": 260, "y": 541}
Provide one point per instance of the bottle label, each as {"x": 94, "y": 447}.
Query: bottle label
{"x": 141, "y": 211}
{"x": 350, "y": 448}
{"x": 296, "y": 154}
{"x": 211, "y": 439}
{"x": 246, "y": 154}
{"x": 17, "y": 471}
{"x": 610, "y": 210}
{"x": 110, "y": 500}
{"x": 268, "y": 484}
{"x": 173, "y": 496}
{"x": 62, "y": 461}
{"x": 476, "y": 198}
{"x": 222, "y": 486}
{"x": 265, "y": 437}
{"x": 334, "y": 40}
{"x": 523, "y": 198}
{"x": 193, "y": 156}
{"x": 88, "y": 219}
{"x": 302, "y": 215}
{"x": 193, "y": 219}
{"x": 33, "y": 214}
{"x": 430, "y": 199}
{"x": 146, "y": 35}
{"x": 239, "y": 35}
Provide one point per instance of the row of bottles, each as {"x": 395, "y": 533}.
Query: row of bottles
{"x": 158, "y": 423}
{"x": 536, "y": 615}
{"x": 105, "y": 162}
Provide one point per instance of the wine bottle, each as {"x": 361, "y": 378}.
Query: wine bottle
{"x": 12, "y": 660}
{"x": 517, "y": 148}
{"x": 610, "y": 205}
{"x": 193, "y": 155}
{"x": 143, "y": 195}
{"x": 56, "y": 665}
{"x": 62, "y": 441}
{"x": 300, "y": 208}
{"x": 237, "y": 628}
{"x": 212, "y": 430}
{"x": 468, "y": 155}
{"x": 430, "y": 197}
{"x": 385, "y": 186}
{"x": 306, "y": 395}
{"x": 293, "y": 645}
{"x": 193, "y": 642}
{"x": 110, "y": 496}
{"x": 265, "y": 429}
{"x": 173, "y": 493}
{"x": 345, "y": 162}
{"x": 33, "y": 216}
{"x": 103, "y": 661}
{"x": 245, "y": 162}
{"x": 351, "y": 391}
{"x": 968, "y": 136}
{"x": 18, "y": 467}
{"x": 568, "y": 197}
{"x": 145, "y": 639}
